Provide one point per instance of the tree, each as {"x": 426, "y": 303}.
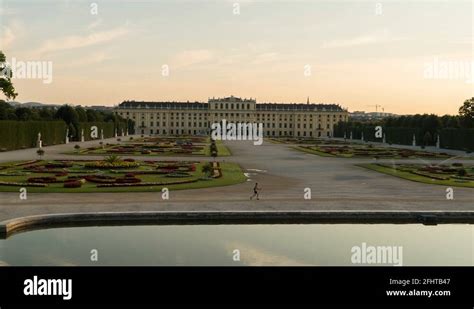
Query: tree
{"x": 131, "y": 126}
{"x": 7, "y": 112}
{"x": 68, "y": 114}
{"x": 6, "y": 84}
{"x": 466, "y": 111}
{"x": 40, "y": 152}
{"x": 81, "y": 114}
{"x": 46, "y": 113}
{"x": 113, "y": 159}
{"x": 25, "y": 114}
{"x": 213, "y": 149}
{"x": 93, "y": 115}
{"x": 208, "y": 169}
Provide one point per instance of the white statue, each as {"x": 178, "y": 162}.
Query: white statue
{"x": 414, "y": 140}
{"x": 101, "y": 133}
{"x": 39, "y": 141}
{"x": 438, "y": 142}
{"x": 67, "y": 136}
{"x": 82, "y": 135}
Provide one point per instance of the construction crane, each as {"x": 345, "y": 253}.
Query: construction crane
{"x": 377, "y": 107}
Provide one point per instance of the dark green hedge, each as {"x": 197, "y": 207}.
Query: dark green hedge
{"x": 108, "y": 127}
{"x": 459, "y": 139}
{"x": 24, "y": 134}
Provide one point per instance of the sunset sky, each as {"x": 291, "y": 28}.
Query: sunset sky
{"x": 359, "y": 54}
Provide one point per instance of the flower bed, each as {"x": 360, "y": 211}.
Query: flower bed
{"x": 42, "y": 180}
{"x": 21, "y": 184}
{"x": 103, "y": 164}
{"x": 72, "y": 184}
{"x": 127, "y": 180}
{"x": 144, "y": 184}
{"x": 100, "y": 179}
{"x": 58, "y": 165}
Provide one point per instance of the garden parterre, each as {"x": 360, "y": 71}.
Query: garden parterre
{"x": 114, "y": 174}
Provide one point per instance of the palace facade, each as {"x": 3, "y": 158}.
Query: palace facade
{"x": 195, "y": 118}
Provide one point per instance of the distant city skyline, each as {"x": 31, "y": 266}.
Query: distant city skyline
{"x": 357, "y": 54}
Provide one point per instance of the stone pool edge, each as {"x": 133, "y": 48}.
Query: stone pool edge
{"x": 29, "y": 223}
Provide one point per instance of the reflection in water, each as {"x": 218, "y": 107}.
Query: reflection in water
{"x": 209, "y": 245}
{"x": 254, "y": 256}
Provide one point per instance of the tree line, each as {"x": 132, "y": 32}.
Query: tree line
{"x": 426, "y": 122}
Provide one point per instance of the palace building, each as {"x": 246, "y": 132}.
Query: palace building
{"x": 196, "y": 118}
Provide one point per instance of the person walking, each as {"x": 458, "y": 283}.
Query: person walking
{"x": 255, "y": 191}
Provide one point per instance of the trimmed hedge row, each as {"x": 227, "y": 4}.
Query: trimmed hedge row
{"x": 108, "y": 128}
{"x": 458, "y": 139}
{"x": 24, "y": 134}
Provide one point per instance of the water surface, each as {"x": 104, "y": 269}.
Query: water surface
{"x": 215, "y": 245}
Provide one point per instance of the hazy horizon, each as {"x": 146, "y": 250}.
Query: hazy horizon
{"x": 408, "y": 57}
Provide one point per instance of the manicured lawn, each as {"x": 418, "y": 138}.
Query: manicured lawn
{"x": 407, "y": 173}
{"x": 145, "y": 173}
{"x": 313, "y": 151}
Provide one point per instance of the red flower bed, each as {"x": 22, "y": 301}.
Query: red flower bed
{"x": 100, "y": 179}
{"x": 145, "y": 184}
{"x": 128, "y": 180}
{"x": 73, "y": 184}
{"x": 42, "y": 179}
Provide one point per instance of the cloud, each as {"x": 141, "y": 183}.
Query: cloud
{"x": 254, "y": 256}
{"x": 6, "y": 36}
{"x": 265, "y": 57}
{"x": 4, "y": 11}
{"x": 362, "y": 40}
{"x": 376, "y": 38}
{"x": 191, "y": 57}
{"x": 96, "y": 23}
{"x": 93, "y": 58}
{"x": 77, "y": 41}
